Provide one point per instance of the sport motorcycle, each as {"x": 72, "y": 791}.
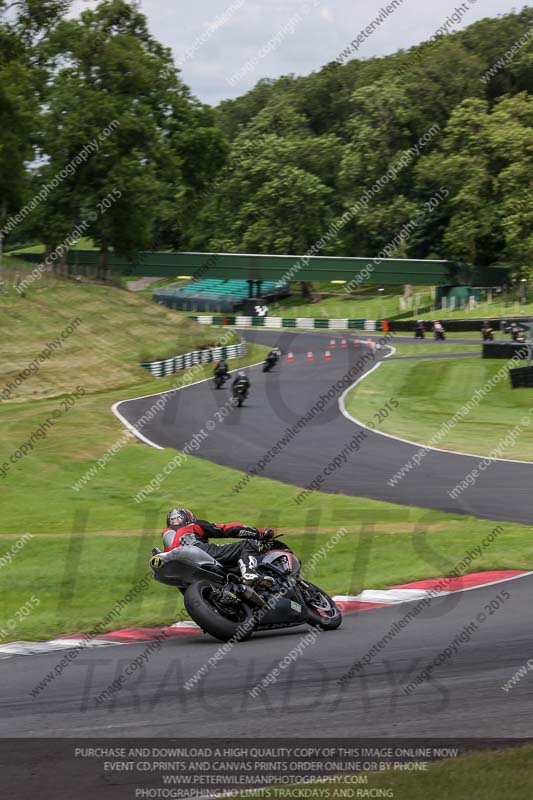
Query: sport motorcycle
{"x": 240, "y": 393}
{"x": 224, "y": 607}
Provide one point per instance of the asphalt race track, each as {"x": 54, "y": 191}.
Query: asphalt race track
{"x": 463, "y": 698}
{"x": 281, "y": 398}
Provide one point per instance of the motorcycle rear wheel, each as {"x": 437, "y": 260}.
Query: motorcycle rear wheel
{"x": 200, "y": 602}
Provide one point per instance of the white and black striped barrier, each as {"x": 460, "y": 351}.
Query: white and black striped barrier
{"x": 303, "y": 323}
{"x": 177, "y": 363}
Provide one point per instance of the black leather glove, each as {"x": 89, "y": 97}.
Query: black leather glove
{"x": 265, "y": 536}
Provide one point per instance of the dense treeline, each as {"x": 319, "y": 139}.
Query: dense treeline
{"x": 119, "y": 148}
{"x": 429, "y": 149}
{"x": 305, "y": 150}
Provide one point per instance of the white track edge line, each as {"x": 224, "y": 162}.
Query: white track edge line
{"x": 132, "y": 429}
{"x": 346, "y": 414}
{"x": 139, "y": 435}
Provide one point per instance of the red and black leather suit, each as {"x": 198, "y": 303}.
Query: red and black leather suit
{"x": 199, "y": 532}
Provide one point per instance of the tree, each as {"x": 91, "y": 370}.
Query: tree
{"x": 486, "y": 161}
{"x": 273, "y": 194}
{"x": 20, "y": 31}
{"x": 117, "y": 91}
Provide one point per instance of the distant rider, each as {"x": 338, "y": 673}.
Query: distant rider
{"x": 420, "y": 329}
{"x": 184, "y": 529}
{"x": 274, "y": 355}
{"x": 438, "y": 330}
{"x": 221, "y": 368}
{"x": 241, "y": 380}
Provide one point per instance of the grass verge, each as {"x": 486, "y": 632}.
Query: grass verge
{"x": 80, "y": 574}
{"x": 430, "y": 392}
{"x": 99, "y": 335}
{"x": 487, "y": 775}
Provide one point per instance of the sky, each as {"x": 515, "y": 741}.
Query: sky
{"x": 223, "y": 47}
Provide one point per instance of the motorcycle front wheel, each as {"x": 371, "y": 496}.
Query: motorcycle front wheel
{"x": 224, "y": 622}
{"x": 322, "y": 611}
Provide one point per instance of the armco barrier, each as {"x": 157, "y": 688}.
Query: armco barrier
{"x": 310, "y": 323}
{"x": 303, "y": 323}
{"x": 507, "y": 350}
{"x": 170, "y": 365}
{"x": 522, "y": 378}
{"x": 451, "y": 325}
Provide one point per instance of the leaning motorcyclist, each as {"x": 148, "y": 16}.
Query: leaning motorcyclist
{"x": 273, "y": 356}
{"x": 184, "y": 529}
{"x": 241, "y": 380}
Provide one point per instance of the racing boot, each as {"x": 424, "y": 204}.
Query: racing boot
{"x": 250, "y": 576}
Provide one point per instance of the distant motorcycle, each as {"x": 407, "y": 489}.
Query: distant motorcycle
{"x": 420, "y": 332}
{"x": 438, "y": 330}
{"x": 220, "y": 379}
{"x": 270, "y": 362}
{"x": 240, "y": 393}
{"x": 517, "y": 334}
{"x": 487, "y": 334}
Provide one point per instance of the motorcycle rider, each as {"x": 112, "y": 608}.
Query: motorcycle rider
{"x": 517, "y": 333}
{"x": 221, "y": 368}
{"x": 438, "y": 330}
{"x": 241, "y": 379}
{"x": 420, "y": 329}
{"x": 273, "y": 356}
{"x": 184, "y": 529}
{"x": 487, "y": 332}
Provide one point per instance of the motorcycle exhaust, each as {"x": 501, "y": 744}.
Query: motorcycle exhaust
{"x": 247, "y": 593}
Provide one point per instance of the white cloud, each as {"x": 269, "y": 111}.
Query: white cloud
{"x": 180, "y": 24}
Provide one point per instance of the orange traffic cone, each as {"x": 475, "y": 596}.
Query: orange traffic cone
{"x": 290, "y": 357}
{"x": 332, "y": 343}
{"x": 344, "y": 343}
{"x": 310, "y": 356}
{"x": 327, "y": 355}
